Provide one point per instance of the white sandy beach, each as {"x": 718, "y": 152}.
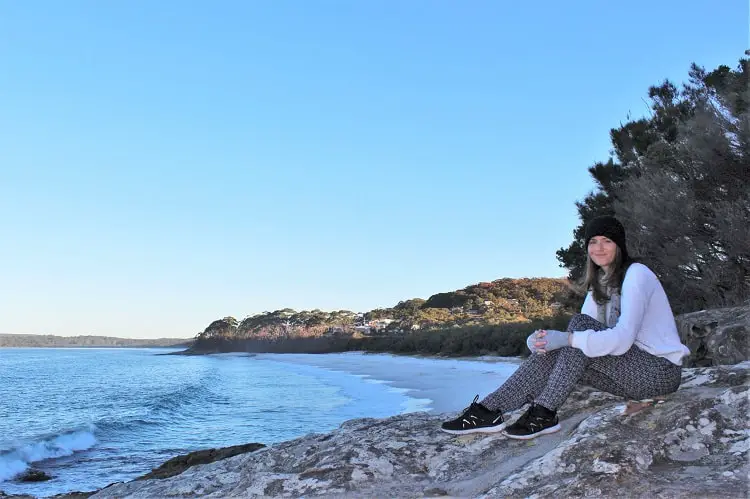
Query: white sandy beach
{"x": 433, "y": 384}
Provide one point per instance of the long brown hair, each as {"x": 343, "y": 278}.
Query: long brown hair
{"x": 592, "y": 280}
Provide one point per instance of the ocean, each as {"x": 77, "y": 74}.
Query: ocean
{"x": 92, "y": 416}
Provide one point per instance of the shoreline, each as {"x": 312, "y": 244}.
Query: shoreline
{"x": 418, "y": 383}
{"x": 433, "y": 394}
{"x": 472, "y": 358}
{"x": 434, "y": 384}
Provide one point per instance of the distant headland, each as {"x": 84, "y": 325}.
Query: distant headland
{"x": 51, "y": 341}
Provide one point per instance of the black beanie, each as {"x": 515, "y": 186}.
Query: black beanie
{"x": 610, "y": 227}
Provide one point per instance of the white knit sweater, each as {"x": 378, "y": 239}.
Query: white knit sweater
{"x": 646, "y": 320}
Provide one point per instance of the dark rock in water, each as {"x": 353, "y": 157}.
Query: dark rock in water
{"x": 33, "y": 475}
{"x": 716, "y": 337}
{"x": 3, "y": 495}
{"x": 178, "y": 464}
{"x": 67, "y": 495}
{"x": 693, "y": 444}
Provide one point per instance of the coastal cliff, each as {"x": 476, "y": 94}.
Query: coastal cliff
{"x": 694, "y": 444}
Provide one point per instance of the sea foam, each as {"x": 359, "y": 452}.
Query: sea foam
{"x": 18, "y": 459}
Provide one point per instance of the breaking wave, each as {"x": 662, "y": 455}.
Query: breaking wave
{"x": 18, "y": 459}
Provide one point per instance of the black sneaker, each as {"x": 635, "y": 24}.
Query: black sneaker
{"x": 475, "y": 419}
{"x": 537, "y": 420}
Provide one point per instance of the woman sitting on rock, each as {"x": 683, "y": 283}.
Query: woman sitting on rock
{"x": 624, "y": 342}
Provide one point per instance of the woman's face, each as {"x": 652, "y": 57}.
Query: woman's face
{"x": 602, "y": 251}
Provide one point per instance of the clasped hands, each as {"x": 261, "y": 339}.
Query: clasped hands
{"x": 545, "y": 340}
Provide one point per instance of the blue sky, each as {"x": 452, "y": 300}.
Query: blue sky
{"x": 163, "y": 164}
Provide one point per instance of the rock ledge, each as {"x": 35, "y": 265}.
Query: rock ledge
{"x": 695, "y": 444}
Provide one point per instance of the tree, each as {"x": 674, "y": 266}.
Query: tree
{"x": 630, "y": 142}
{"x": 687, "y": 210}
{"x": 678, "y": 180}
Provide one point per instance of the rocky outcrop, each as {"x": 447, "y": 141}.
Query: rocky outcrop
{"x": 3, "y": 495}
{"x": 178, "y": 464}
{"x": 222, "y": 328}
{"x": 694, "y": 444}
{"x": 69, "y": 495}
{"x": 32, "y": 475}
{"x": 716, "y": 337}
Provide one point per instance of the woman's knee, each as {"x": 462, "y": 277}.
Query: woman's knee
{"x": 672, "y": 382}
{"x": 553, "y": 355}
{"x": 583, "y": 322}
{"x": 572, "y": 354}
{"x": 566, "y": 357}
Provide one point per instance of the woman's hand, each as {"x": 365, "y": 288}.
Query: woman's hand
{"x": 546, "y": 340}
{"x": 536, "y": 342}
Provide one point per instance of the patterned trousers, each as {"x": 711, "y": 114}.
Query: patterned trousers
{"x": 549, "y": 378}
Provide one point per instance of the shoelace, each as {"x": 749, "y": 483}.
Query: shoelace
{"x": 470, "y": 421}
{"x": 468, "y": 409}
{"x": 467, "y": 418}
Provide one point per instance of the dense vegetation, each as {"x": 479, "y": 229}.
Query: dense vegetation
{"x": 507, "y": 339}
{"x": 502, "y": 339}
{"x": 50, "y": 341}
{"x": 488, "y": 317}
{"x": 680, "y": 182}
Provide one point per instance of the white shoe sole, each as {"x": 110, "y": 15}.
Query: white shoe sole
{"x": 486, "y": 429}
{"x": 551, "y": 429}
